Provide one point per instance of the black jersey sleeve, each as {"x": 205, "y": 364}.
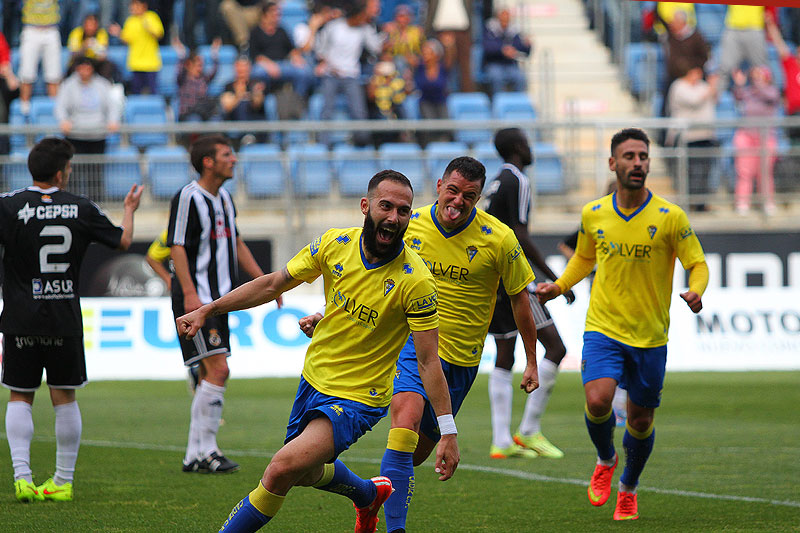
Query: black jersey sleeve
{"x": 101, "y": 229}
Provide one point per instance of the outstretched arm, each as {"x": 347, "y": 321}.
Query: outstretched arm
{"x": 523, "y": 317}
{"x": 535, "y": 256}
{"x": 426, "y": 344}
{"x": 253, "y": 293}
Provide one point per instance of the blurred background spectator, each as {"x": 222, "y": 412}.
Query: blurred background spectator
{"x": 243, "y": 98}
{"x": 112, "y": 12}
{"x": 201, "y": 15}
{"x": 39, "y": 41}
{"x": 194, "y": 102}
{"x": 404, "y": 39}
{"x": 9, "y": 89}
{"x": 692, "y": 98}
{"x": 503, "y": 47}
{"x": 759, "y": 98}
{"x": 431, "y": 80}
{"x": 90, "y": 40}
{"x": 241, "y": 16}
{"x": 453, "y": 17}
{"x": 791, "y": 76}
{"x": 742, "y": 40}
{"x": 274, "y": 56}
{"x": 684, "y": 48}
{"x": 141, "y": 32}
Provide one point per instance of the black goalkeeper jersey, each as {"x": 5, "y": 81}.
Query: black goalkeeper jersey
{"x": 44, "y": 234}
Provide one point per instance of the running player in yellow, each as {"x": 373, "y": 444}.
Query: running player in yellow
{"x": 634, "y": 237}
{"x": 377, "y": 291}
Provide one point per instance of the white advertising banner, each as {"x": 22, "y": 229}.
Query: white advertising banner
{"x": 738, "y": 329}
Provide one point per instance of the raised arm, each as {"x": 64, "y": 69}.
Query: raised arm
{"x": 775, "y": 34}
{"x": 130, "y": 205}
{"x": 426, "y": 344}
{"x": 253, "y": 293}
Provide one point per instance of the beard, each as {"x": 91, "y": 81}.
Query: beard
{"x": 632, "y": 184}
{"x": 370, "y": 235}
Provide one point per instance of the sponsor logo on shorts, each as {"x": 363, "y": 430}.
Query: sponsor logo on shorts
{"x": 31, "y": 341}
{"x": 336, "y": 409}
{"x": 213, "y": 337}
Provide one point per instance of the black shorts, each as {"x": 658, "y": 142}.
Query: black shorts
{"x": 26, "y": 356}
{"x": 503, "y": 325}
{"x": 212, "y": 339}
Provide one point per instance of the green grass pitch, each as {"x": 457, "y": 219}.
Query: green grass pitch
{"x": 727, "y": 458}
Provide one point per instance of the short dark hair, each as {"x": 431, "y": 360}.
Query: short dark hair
{"x": 470, "y": 169}
{"x": 266, "y": 6}
{"x": 83, "y": 60}
{"x": 48, "y": 157}
{"x": 206, "y": 147}
{"x": 505, "y": 141}
{"x": 626, "y": 134}
{"x": 391, "y": 175}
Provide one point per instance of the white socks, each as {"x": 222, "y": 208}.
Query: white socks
{"x": 537, "y": 400}
{"x": 68, "y": 440}
{"x": 19, "y": 432}
{"x": 500, "y": 396}
{"x": 206, "y": 414}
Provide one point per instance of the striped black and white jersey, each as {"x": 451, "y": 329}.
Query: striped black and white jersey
{"x": 509, "y": 197}
{"x": 205, "y": 225}
{"x": 44, "y": 234}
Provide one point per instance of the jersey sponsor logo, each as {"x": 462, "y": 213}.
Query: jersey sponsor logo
{"x": 407, "y": 269}
{"x": 342, "y": 239}
{"x": 626, "y": 250}
{"x": 314, "y": 246}
{"x": 601, "y": 234}
{"x": 336, "y": 409}
{"x": 373, "y": 391}
{"x": 449, "y": 272}
{"x": 47, "y": 212}
{"x": 685, "y": 232}
{"x": 663, "y": 210}
{"x": 471, "y": 252}
{"x": 415, "y": 244}
{"x": 595, "y": 207}
{"x": 54, "y": 289}
{"x": 486, "y": 230}
{"x": 388, "y": 285}
{"x": 514, "y": 254}
{"x": 337, "y": 270}
{"x": 213, "y": 337}
{"x": 651, "y": 229}
{"x": 424, "y": 303}
{"x": 359, "y": 313}
{"x": 32, "y": 341}
{"x": 414, "y": 215}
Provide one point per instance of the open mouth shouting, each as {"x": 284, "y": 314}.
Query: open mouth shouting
{"x": 386, "y": 234}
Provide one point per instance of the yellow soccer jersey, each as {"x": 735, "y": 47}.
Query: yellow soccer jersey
{"x": 467, "y": 265}
{"x": 370, "y": 309}
{"x": 635, "y": 257}
{"x": 158, "y": 249}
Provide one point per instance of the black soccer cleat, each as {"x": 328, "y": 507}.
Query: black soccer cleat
{"x": 193, "y": 466}
{"x": 216, "y": 463}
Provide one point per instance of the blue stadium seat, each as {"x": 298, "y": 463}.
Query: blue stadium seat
{"x": 406, "y": 158}
{"x": 15, "y": 172}
{"x": 439, "y": 155}
{"x": 292, "y": 14}
{"x": 261, "y": 170}
{"x": 487, "y": 154}
{"x": 340, "y": 112}
{"x": 513, "y": 105}
{"x": 548, "y": 173}
{"x": 309, "y": 166}
{"x": 118, "y": 54}
{"x": 354, "y": 167}
{"x": 42, "y": 114}
{"x": 643, "y": 66}
{"x": 167, "y": 77}
{"x": 470, "y": 107}
{"x": 146, "y": 109}
{"x": 121, "y": 171}
{"x": 410, "y": 107}
{"x": 18, "y": 140}
{"x": 168, "y": 170}
{"x": 227, "y": 53}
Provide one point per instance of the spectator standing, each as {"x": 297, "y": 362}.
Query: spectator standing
{"x": 693, "y": 98}
{"x": 452, "y": 17}
{"x": 503, "y": 47}
{"x": 742, "y": 40}
{"x": 243, "y": 98}
{"x": 9, "y": 89}
{"x": 90, "y": 40}
{"x": 339, "y": 45}
{"x": 194, "y": 102}
{"x": 211, "y": 22}
{"x": 758, "y": 99}
{"x": 241, "y": 16}
{"x": 431, "y": 80}
{"x": 39, "y": 40}
{"x": 273, "y": 54}
{"x": 404, "y": 39}
{"x": 141, "y": 32}
{"x": 791, "y": 75}
{"x": 684, "y": 48}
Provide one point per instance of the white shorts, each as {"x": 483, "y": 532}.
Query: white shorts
{"x": 37, "y": 43}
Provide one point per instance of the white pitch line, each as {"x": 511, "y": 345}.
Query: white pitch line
{"x": 462, "y": 466}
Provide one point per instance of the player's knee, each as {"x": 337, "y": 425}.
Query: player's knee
{"x": 556, "y": 353}
{"x": 598, "y": 404}
{"x": 281, "y": 471}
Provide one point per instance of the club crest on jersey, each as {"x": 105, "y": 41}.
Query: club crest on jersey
{"x": 388, "y": 285}
{"x": 46, "y": 198}
{"x": 651, "y": 229}
{"x": 342, "y": 239}
{"x": 213, "y": 337}
{"x": 407, "y": 269}
{"x": 471, "y": 252}
{"x": 486, "y": 230}
{"x": 337, "y": 270}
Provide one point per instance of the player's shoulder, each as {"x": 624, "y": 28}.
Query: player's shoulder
{"x": 340, "y": 236}
{"x": 421, "y": 214}
{"x": 665, "y": 208}
{"x": 599, "y": 206}
{"x": 489, "y": 225}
